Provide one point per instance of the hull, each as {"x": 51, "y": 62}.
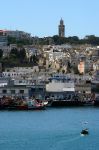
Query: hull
{"x": 64, "y": 103}
{"x": 84, "y": 132}
{"x": 26, "y": 108}
{"x": 4, "y": 107}
{"x": 96, "y": 103}
{"x": 10, "y": 104}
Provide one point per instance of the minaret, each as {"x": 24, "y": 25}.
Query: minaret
{"x": 61, "y": 28}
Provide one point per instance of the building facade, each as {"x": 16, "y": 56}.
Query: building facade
{"x": 15, "y": 34}
{"x": 3, "y": 40}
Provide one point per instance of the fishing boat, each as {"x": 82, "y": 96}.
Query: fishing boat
{"x": 29, "y": 105}
{"x": 35, "y": 104}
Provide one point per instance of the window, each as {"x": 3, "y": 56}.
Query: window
{"x": 40, "y": 89}
{"x": 21, "y": 91}
{"x": 12, "y": 91}
{"x": 4, "y": 91}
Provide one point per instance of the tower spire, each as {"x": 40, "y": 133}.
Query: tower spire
{"x": 61, "y": 28}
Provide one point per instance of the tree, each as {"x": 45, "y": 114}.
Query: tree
{"x": 59, "y": 40}
{"x": 92, "y": 39}
{"x": 11, "y": 40}
{"x": 14, "y": 52}
{"x": 58, "y": 70}
{"x": 22, "y": 54}
{"x": 63, "y": 71}
{"x": 69, "y": 64}
{"x": 34, "y": 59}
{"x": 75, "y": 69}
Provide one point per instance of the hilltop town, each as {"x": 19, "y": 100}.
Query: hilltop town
{"x": 27, "y": 63}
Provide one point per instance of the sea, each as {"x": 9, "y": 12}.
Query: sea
{"x": 50, "y": 129}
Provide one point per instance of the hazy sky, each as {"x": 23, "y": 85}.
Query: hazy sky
{"x": 41, "y": 17}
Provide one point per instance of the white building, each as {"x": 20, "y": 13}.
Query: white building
{"x": 16, "y": 34}
{"x": 19, "y": 72}
{"x": 60, "y": 87}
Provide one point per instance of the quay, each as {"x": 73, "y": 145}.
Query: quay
{"x": 58, "y": 90}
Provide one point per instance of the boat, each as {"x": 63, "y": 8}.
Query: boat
{"x": 26, "y": 107}
{"x": 61, "y": 92}
{"x": 36, "y": 104}
{"x": 85, "y": 132}
{"x": 95, "y": 88}
{"x": 96, "y": 101}
{"x": 71, "y": 100}
{"x": 8, "y": 103}
{"x": 60, "y": 103}
{"x": 89, "y": 103}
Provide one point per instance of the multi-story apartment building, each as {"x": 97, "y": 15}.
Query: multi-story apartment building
{"x": 16, "y": 34}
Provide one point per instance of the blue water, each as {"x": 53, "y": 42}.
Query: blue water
{"x": 50, "y": 129}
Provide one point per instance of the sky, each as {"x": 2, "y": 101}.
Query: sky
{"x": 41, "y": 17}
